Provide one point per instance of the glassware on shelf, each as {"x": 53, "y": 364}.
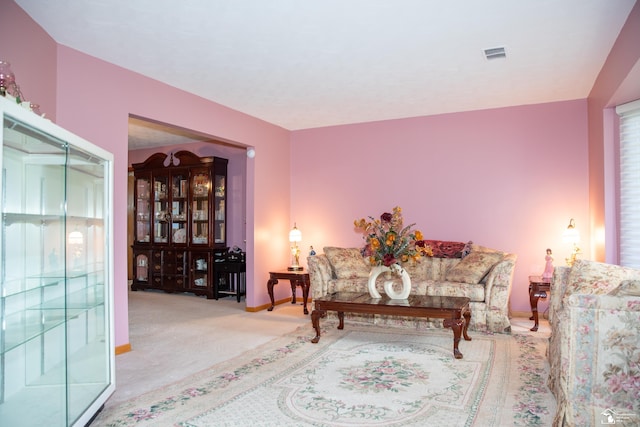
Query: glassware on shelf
{"x": 36, "y": 109}
{"x": 7, "y": 78}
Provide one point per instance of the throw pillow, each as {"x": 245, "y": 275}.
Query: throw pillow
{"x": 478, "y": 248}
{"x": 473, "y": 267}
{"x": 627, "y": 288}
{"x": 444, "y": 249}
{"x": 347, "y": 263}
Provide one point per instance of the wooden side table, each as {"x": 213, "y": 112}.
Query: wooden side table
{"x": 235, "y": 279}
{"x": 538, "y": 288}
{"x": 296, "y": 278}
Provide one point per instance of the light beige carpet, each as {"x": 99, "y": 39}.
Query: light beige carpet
{"x": 361, "y": 376}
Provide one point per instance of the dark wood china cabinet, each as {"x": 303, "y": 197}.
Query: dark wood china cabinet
{"x": 180, "y": 222}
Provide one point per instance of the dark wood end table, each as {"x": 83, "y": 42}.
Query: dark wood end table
{"x": 538, "y": 288}
{"x": 454, "y": 310}
{"x": 296, "y": 278}
{"x": 235, "y": 274}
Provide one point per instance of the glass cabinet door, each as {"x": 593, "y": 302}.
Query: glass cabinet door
{"x": 161, "y": 212}
{"x": 179, "y": 197}
{"x": 141, "y": 267}
{"x": 200, "y": 270}
{"x": 201, "y": 183}
{"x": 220, "y": 200}
{"x": 87, "y": 341}
{"x": 142, "y": 196}
{"x": 32, "y": 345}
{"x": 56, "y": 349}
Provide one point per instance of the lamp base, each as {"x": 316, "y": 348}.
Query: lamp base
{"x": 574, "y": 256}
{"x": 296, "y": 268}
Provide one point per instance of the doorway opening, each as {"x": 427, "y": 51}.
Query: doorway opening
{"x": 147, "y": 137}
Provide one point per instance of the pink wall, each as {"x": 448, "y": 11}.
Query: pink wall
{"x": 508, "y": 178}
{"x": 617, "y": 83}
{"x": 93, "y": 99}
{"x": 32, "y": 54}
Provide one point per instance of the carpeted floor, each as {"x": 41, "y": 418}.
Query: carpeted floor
{"x": 362, "y": 376}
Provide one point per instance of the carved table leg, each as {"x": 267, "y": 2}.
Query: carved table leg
{"x": 534, "y": 296}
{"x": 530, "y": 303}
{"x": 293, "y": 283}
{"x": 456, "y": 325}
{"x": 341, "y": 320}
{"x": 305, "y": 294}
{"x": 270, "y": 285}
{"x": 315, "y": 321}
{"x": 467, "y": 319}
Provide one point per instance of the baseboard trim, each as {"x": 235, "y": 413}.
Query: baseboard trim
{"x": 278, "y": 302}
{"x": 125, "y": 348}
{"x": 525, "y": 314}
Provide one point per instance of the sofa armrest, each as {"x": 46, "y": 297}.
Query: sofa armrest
{"x": 611, "y": 303}
{"x": 595, "y": 367}
{"x": 499, "y": 282}
{"x": 559, "y": 284}
{"x": 320, "y": 272}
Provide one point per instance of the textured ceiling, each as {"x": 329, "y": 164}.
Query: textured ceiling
{"x": 303, "y": 64}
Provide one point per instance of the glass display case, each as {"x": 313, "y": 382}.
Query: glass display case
{"x": 161, "y": 216}
{"x": 143, "y": 202}
{"x": 180, "y": 211}
{"x": 201, "y": 184}
{"x": 220, "y": 199}
{"x": 56, "y": 291}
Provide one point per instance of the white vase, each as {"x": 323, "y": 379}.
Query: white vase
{"x": 388, "y": 284}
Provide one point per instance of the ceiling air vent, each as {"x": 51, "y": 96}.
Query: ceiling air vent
{"x": 495, "y": 53}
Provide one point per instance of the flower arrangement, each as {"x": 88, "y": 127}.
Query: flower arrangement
{"x": 388, "y": 242}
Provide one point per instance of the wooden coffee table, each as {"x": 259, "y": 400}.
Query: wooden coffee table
{"x": 454, "y": 310}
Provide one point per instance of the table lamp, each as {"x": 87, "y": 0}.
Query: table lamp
{"x": 295, "y": 236}
{"x": 571, "y": 235}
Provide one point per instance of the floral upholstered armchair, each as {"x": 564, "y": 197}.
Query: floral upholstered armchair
{"x": 594, "y": 349}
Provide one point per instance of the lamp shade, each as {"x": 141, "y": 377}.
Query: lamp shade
{"x": 76, "y": 238}
{"x": 295, "y": 235}
{"x": 571, "y": 234}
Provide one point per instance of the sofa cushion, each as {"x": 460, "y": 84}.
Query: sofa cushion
{"x": 475, "y": 292}
{"x": 418, "y": 287}
{"x": 356, "y": 284}
{"x": 417, "y": 270}
{"x": 347, "y": 263}
{"x": 478, "y": 248}
{"x": 473, "y": 267}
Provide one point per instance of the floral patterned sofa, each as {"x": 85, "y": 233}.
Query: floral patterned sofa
{"x": 484, "y": 275}
{"x": 594, "y": 348}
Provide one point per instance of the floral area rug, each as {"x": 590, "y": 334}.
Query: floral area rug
{"x": 361, "y": 376}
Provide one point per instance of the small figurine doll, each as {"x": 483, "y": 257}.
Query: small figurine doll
{"x": 312, "y": 252}
{"x": 548, "y": 266}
